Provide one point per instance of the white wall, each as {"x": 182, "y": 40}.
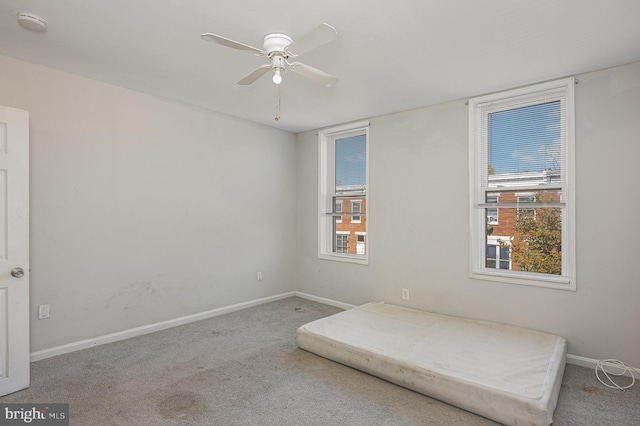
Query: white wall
{"x": 418, "y": 223}
{"x": 144, "y": 210}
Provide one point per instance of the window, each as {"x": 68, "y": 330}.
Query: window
{"x": 523, "y": 211}
{"x": 497, "y": 256}
{"x": 342, "y": 242}
{"x": 343, "y": 188}
{"x": 356, "y": 207}
{"x": 521, "y": 172}
{"x": 338, "y": 210}
{"x": 492, "y": 213}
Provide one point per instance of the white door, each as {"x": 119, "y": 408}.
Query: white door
{"x": 14, "y": 250}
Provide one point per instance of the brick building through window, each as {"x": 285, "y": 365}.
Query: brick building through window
{"x": 350, "y": 230}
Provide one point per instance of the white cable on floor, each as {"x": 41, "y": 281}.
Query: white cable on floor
{"x": 616, "y": 364}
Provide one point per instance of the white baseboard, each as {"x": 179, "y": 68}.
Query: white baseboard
{"x": 582, "y": 361}
{"x": 151, "y": 328}
{"x": 591, "y": 363}
{"x": 324, "y": 301}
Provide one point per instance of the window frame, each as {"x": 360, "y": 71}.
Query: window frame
{"x": 564, "y": 88}
{"x": 326, "y": 190}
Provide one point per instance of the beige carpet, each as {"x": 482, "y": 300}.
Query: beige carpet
{"x": 245, "y": 368}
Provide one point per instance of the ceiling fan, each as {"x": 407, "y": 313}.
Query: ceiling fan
{"x": 279, "y": 48}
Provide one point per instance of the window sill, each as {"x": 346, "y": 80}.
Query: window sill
{"x": 535, "y": 280}
{"x": 361, "y": 260}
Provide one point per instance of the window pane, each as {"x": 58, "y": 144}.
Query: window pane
{"x": 525, "y": 140}
{"x": 349, "y": 223}
{"x": 533, "y": 234}
{"x": 504, "y": 252}
{"x": 350, "y": 180}
{"x": 537, "y": 242}
{"x": 351, "y": 163}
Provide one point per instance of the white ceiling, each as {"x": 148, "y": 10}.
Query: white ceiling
{"x": 390, "y": 55}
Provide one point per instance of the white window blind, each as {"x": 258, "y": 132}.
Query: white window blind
{"x": 522, "y": 136}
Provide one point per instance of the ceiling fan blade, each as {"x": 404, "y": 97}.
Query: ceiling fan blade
{"x": 233, "y": 44}
{"x": 323, "y": 34}
{"x": 313, "y": 74}
{"x": 256, "y": 74}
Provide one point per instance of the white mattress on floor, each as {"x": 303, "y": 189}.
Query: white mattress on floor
{"x": 508, "y": 374}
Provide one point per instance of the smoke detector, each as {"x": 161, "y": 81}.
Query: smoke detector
{"x": 32, "y": 22}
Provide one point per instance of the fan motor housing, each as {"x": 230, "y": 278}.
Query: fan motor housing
{"x": 276, "y": 42}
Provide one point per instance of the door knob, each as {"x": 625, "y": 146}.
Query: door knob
{"x": 17, "y": 272}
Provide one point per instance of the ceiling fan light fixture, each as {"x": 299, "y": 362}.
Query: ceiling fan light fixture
{"x": 277, "y": 77}
{"x": 277, "y": 63}
{"x": 278, "y": 48}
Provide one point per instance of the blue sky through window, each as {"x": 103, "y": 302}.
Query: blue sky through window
{"x": 525, "y": 139}
{"x": 351, "y": 160}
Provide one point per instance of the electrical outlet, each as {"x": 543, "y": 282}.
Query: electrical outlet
{"x": 259, "y": 275}
{"x": 405, "y": 294}
{"x": 43, "y": 311}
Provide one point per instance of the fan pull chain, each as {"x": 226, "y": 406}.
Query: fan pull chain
{"x": 277, "y": 102}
